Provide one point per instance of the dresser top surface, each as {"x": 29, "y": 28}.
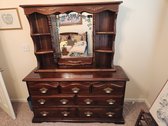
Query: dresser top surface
{"x": 118, "y": 75}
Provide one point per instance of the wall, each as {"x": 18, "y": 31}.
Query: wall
{"x": 137, "y": 27}
{"x": 159, "y": 59}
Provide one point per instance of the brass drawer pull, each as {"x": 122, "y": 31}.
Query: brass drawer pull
{"x": 65, "y": 113}
{"x": 64, "y": 101}
{"x": 42, "y": 101}
{"x": 110, "y": 101}
{"x": 44, "y": 113}
{"x": 108, "y": 90}
{"x": 88, "y": 113}
{"x": 110, "y": 114}
{"x": 75, "y": 90}
{"x": 88, "y": 101}
{"x": 43, "y": 90}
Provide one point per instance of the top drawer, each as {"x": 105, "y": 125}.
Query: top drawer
{"x": 75, "y": 87}
{"x": 43, "y": 88}
{"x": 108, "y": 88}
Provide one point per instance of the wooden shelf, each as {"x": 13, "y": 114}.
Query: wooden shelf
{"x": 40, "y": 52}
{"x": 104, "y": 51}
{"x": 105, "y": 33}
{"x": 40, "y": 34}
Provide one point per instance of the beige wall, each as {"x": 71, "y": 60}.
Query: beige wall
{"x": 139, "y": 42}
{"x": 159, "y": 69}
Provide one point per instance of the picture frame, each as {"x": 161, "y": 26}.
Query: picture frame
{"x": 72, "y": 18}
{"x": 10, "y": 19}
{"x": 159, "y": 108}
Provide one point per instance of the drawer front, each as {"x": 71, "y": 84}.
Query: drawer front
{"x": 100, "y": 100}
{"x": 43, "y": 88}
{"x": 52, "y": 101}
{"x": 108, "y": 88}
{"x": 100, "y": 112}
{"x": 75, "y": 87}
{"x": 55, "y": 113}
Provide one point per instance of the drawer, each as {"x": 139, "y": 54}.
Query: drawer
{"x": 75, "y": 87}
{"x": 55, "y": 113}
{"x": 108, "y": 88}
{"x": 100, "y": 112}
{"x": 43, "y": 88}
{"x": 49, "y": 101}
{"x": 100, "y": 100}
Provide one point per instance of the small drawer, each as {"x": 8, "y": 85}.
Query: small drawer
{"x": 108, "y": 88}
{"x": 100, "y": 100}
{"x": 52, "y": 101}
{"x": 55, "y": 113}
{"x": 75, "y": 87}
{"x": 43, "y": 88}
{"x": 100, "y": 112}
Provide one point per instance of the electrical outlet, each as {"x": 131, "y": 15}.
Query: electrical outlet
{"x": 26, "y": 47}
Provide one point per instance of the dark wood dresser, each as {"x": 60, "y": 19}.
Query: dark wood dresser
{"x": 77, "y": 96}
{"x": 75, "y": 89}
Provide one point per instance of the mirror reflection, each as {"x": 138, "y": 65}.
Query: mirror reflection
{"x": 75, "y": 34}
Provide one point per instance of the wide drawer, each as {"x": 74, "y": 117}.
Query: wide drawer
{"x": 49, "y": 101}
{"x": 100, "y": 112}
{"x": 43, "y": 88}
{"x": 55, "y": 112}
{"x": 100, "y": 100}
{"x": 108, "y": 88}
{"x": 75, "y": 87}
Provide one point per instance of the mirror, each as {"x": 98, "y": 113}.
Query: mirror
{"x": 75, "y": 34}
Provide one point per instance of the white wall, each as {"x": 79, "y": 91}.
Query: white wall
{"x": 159, "y": 69}
{"x": 137, "y": 33}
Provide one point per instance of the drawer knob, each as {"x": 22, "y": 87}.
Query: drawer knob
{"x": 110, "y": 114}
{"x": 64, "y": 101}
{"x": 88, "y": 113}
{"x": 111, "y": 101}
{"x": 108, "y": 90}
{"x": 44, "y": 113}
{"x": 88, "y": 101}
{"x": 65, "y": 113}
{"x": 43, "y": 90}
{"x": 41, "y": 101}
{"x": 75, "y": 90}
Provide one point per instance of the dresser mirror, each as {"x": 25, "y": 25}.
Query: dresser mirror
{"x": 75, "y": 34}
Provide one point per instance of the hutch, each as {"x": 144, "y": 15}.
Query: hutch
{"x": 75, "y": 81}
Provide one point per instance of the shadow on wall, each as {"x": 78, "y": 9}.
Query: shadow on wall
{"x": 122, "y": 17}
{"x": 7, "y": 74}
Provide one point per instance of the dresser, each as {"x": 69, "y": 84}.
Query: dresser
{"x": 77, "y": 96}
{"x": 75, "y": 88}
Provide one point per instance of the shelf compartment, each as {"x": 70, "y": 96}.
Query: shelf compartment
{"x": 104, "y": 51}
{"x": 105, "y": 33}
{"x": 40, "y": 34}
{"x": 40, "y": 52}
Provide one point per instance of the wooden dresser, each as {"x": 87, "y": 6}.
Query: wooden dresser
{"x": 75, "y": 89}
{"x": 77, "y": 96}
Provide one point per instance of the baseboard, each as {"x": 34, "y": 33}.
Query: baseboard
{"x": 138, "y": 100}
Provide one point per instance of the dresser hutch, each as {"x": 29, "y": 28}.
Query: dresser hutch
{"x": 75, "y": 87}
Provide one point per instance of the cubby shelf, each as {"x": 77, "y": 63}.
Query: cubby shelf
{"x": 40, "y": 34}
{"x": 40, "y": 52}
{"x": 105, "y": 33}
{"x": 104, "y": 51}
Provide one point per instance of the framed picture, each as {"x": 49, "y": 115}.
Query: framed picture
{"x": 159, "y": 109}
{"x": 72, "y": 18}
{"x": 9, "y": 19}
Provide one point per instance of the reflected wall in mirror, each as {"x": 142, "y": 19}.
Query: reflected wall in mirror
{"x": 75, "y": 34}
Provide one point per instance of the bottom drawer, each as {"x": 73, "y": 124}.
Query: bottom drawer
{"x": 100, "y": 112}
{"x": 55, "y": 112}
